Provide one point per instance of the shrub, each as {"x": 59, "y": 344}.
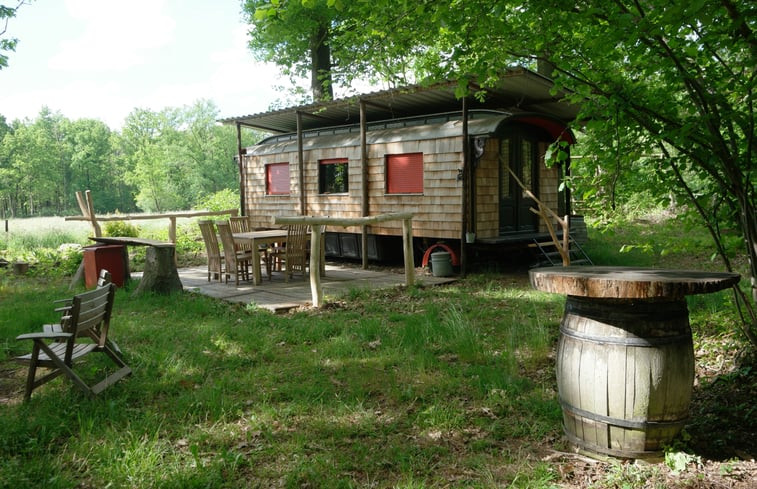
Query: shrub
{"x": 121, "y": 228}
{"x": 220, "y": 201}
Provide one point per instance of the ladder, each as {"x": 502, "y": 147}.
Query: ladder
{"x": 549, "y": 256}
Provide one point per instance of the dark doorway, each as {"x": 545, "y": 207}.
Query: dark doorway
{"x": 520, "y": 151}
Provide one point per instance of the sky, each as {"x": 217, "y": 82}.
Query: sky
{"x": 101, "y": 59}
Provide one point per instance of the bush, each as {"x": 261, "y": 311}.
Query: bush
{"x": 220, "y": 201}
{"x": 121, "y": 228}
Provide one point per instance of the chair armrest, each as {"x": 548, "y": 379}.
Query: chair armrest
{"x": 44, "y": 336}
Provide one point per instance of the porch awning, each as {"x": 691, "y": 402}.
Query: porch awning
{"x": 521, "y": 90}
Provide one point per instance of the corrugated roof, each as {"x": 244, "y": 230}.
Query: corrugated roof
{"x": 479, "y": 126}
{"x": 520, "y": 90}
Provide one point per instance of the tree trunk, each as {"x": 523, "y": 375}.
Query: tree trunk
{"x": 320, "y": 66}
{"x": 160, "y": 275}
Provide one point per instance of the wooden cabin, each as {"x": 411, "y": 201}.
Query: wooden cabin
{"x": 418, "y": 149}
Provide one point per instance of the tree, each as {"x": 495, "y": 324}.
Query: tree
{"x": 295, "y": 35}
{"x": 178, "y": 156}
{"x": 8, "y": 44}
{"x": 680, "y": 74}
{"x": 326, "y": 40}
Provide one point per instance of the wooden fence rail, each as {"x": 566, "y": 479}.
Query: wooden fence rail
{"x": 88, "y": 214}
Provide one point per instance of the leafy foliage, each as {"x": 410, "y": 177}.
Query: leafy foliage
{"x": 160, "y": 161}
{"x": 671, "y": 83}
{"x": 120, "y": 228}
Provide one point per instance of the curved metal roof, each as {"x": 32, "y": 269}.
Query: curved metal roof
{"x": 520, "y": 90}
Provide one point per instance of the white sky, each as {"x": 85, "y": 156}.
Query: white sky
{"x": 101, "y": 59}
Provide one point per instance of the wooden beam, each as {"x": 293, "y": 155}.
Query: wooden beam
{"x": 467, "y": 214}
{"x": 364, "y": 181}
{"x": 340, "y": 221}
{"x": 136, "y": 217}
{"x": 301, "y": 163}
{"x": 91, "y": 213}
{"x": 240, "y": 164}
{"x": 316, "y": 290}
{"x": 407, "y": 249}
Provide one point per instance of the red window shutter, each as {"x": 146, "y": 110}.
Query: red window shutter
{"x": 277, "y": 179}
{"x": 404, "y": 173}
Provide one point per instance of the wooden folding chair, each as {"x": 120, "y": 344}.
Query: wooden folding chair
{"x": 237, "y": 262}
{"x": 84, "y": 330}
{"x": 215, "y": 258}
{"x": 241, "y": 224}
{"x": 296, "y": 251}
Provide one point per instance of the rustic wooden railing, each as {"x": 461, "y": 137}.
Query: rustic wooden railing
{"x": 317, "y": 223}
{"x": 88, "y": 214}
{"x": 545, "y": 213}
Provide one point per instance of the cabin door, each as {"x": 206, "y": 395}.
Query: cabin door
{"x": 519, "y": 152}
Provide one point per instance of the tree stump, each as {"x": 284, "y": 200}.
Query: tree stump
{"x": 160, "y": 274}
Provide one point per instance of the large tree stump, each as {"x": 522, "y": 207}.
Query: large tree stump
{"x": 160, "y": 274}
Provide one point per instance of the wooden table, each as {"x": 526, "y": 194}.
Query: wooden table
{"x": 625, "y": 359}
{"x": 267, "y": 237}
{"x": 256, "y": 239}
{"x": 160, "y": 273}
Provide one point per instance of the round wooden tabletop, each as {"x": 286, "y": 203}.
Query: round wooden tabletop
{"x": 629, "y": 282}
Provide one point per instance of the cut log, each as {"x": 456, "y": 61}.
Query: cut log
{"x": 628, "y": 282}
{"x": 160, "y": 274}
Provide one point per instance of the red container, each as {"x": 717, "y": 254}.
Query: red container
{"x": 109, "y": 257}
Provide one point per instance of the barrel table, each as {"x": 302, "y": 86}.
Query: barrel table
{"x": 625, "y": 359}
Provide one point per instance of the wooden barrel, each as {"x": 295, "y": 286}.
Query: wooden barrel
{"x": 625, "y": 370}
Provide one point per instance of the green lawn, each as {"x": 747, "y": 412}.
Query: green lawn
{"x": 449, "y": 386}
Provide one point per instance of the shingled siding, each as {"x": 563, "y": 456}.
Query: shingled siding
{"x": 486, "y": 176}
{"x": 437, "y": 210}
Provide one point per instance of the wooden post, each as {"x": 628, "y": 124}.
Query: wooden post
{"x": 466, "y": 224}
{"x": 316, "y": 290}
{"x": 92, "y": 216}
{"x": 301, "y": 164}
{"x": 407, "y": 248}
{"x": 242, "y": 186}
{"x": 364, "y": 181}
{"x": 172, "y": 229}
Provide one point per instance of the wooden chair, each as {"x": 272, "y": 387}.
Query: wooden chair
{"x": 215, "y": 259}
{"x": 84, "y": 330}
{"x": 296, "y": 256}
{"x": 241, "y": 224}
{"x": 237, "y": 262}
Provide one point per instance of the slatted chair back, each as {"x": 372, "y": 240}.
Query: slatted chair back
{"x": 296, "y": 257}
{"x": 90, "y": 314}
{"x": 237, "y": 262}
{"x": 239, "y": 224}
{"x": 215, "y": 259}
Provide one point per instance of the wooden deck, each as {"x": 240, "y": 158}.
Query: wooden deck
{"x": 277, "y": 295}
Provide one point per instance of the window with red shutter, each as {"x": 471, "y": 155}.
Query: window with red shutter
{"x": 277, "y": 179}
{"x": 404, "y": 173}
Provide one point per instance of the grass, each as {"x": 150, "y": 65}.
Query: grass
{"x": 449, "y": 386}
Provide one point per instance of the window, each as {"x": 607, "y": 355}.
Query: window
{"x": 404, "y": 173}
{"x": 333, "y": 176}
{"x": 277, "y": 179}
